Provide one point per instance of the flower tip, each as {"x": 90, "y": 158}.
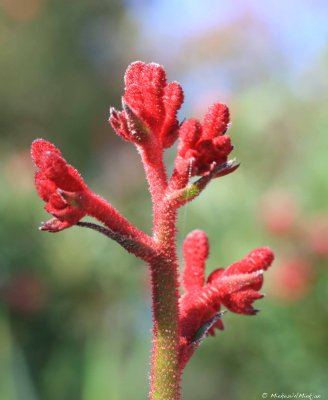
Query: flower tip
{"x": 196, "y": 244}
{"x": 132, "y": 70}
{"x": 36, "y": 148}
{"x": 197, "y": 234}
{"x": 135, "y": 64}
{"x": 216, "y": 120}
{"x": 54, "y": 225}
{"x": 43, "y": 226}
{"x": 39, "y": 141}
{"x": 260, "y": 259}
{"x": 226, "y": 168}
{"x": 112, "y": 113}
{"x": 126, "y": 107}
{"x": 39, "y": 147}
{"x": 267, "y": 256}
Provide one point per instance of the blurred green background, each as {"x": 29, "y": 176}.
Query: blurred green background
{"x": 75, "y": 315}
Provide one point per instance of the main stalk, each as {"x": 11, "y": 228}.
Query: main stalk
{"x": 165, "y": 374}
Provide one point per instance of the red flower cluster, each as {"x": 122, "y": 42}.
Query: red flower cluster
{"x": 235, "y": 287}
{"x": 54, "y": 178}
{"x": 201, "y": 145}
{"x": 69, "y": 199}
{"x": 150, "y": 106}
{"x": 149, "y": 120}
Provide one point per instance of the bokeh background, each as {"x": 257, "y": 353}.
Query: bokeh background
{"x": 75, "y": 315}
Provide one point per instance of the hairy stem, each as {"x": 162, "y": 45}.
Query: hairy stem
{"x": 99, "y": 208}
{"x": 165, "y": 375}
{"x": 152, "y": 158}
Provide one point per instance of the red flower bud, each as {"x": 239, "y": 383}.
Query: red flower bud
{"x": 54, "y": 176}
{"x": 238, "y": 284}
{"x": 153, "y": 102}
{"x": 195, "y": 250}
{"x": 172, "y": 100}
{"x": 236, "y": 287}
{"x": 118, "y": 121}
{"x": 216, "y": 121}
{"x": 201, "y": 145}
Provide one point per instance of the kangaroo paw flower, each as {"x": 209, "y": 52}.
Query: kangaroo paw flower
{"x": 201, "y": 145}
{"x": 238, "y": 284}
{"x": 150, "y": 106}
{"x": 235, "y": 287}
{"x": 53, "y": 178}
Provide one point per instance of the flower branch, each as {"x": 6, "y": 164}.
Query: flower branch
{"x": 149, "y": 120}
{"x": 146, "y": 253}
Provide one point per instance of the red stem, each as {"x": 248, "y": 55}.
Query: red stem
{"x": 152, "y": 159}
{"x": 165, "y": 372}
{"x": 99, "y": 208}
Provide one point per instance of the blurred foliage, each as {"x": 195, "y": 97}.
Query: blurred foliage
{"x": 74, "y": 314}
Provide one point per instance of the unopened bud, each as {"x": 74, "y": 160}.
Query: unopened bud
{"x": 137, "y": 128}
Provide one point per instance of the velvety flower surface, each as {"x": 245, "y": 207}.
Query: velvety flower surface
{"x": 201, "y": 145}
{"x": 54, "y": 178}
{"x": 150, "y": 106}
{"x": 236, "y": 287}
{"x": 238, "y": 284}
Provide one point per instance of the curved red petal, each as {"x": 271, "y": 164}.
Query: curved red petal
{"x": 119, "y": 124}
{"x": 133, "y": 72}
{"x": 44, "y": 186}
{"x": 189, "y": 133}
{"x": 195, "y": 251}
{"x": 241, "y": 302}
{"x": 62, "y": 174}
{"x": 258, "y": 259}
{"x": 172, "y": 100}
{"x": 216, "y": 121}
{"x": 144, "y": 91}
{"x": 57, "y": 202}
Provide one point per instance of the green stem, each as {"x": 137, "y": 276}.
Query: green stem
{"x": 165, "y": 374}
